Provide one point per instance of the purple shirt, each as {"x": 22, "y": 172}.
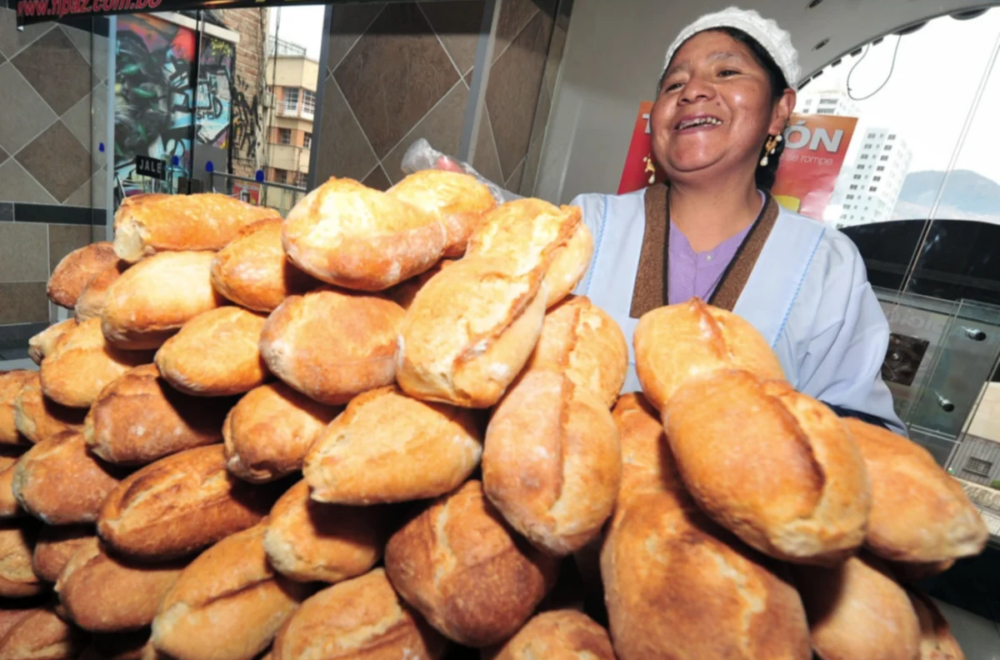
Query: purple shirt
{"x": 698, "y": 273}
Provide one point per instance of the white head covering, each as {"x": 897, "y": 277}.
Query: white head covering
{"x": 777, "y": 42}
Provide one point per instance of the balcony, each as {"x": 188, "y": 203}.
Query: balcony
{"x": 294, "y": 111}
{"x": 288, "y": 157}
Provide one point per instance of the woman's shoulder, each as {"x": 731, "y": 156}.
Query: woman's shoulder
{"x": 832, "y": 246}
{"x": 600, "y": 210}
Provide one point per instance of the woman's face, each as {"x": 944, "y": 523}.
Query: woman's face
{"x": 714, "y": 111}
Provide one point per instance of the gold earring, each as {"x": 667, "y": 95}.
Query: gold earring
{"x": 650, "y": 169}
{"x": 769, "y": 148}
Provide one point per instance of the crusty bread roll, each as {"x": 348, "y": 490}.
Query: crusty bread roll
{"x": 152, "y": 300}
{"x": 59, "y": 482}
{"x": 75, "y": 270}
{"x": 45, "y": 341}
{"x": 102, "y": 593}
{"x": 82, "y": 363}
{"x": 457, "y": 200}
{"x": 466, "y": 571}
{"x": 404, "y": 292}
{"x": 533, "y": 234}
{"x": 139, "y": 418}
{"x": 919, "y": 512}
{"x": 42, "y": 635}
{"x": 227, "y": 604}
{"x": 147, "y": 224}
{"x": 387, "y": 447}
{"x": 215, "y": 354}
{"x": 556, "y": 635}
{"x": 777, "y": 468}
{"x": 17, "y": 579}
{"x": 56, "y": 545}
{"x": 332, "y": 345}
{"x": 254, "y": 272}
{"x": 581, "y": 340}
{"x": 353, "y": 236}
{"x": 180, "y": 504}
{"x": 908, "y": 573}
{"x": 38, "y": 417}
{"x": 936, "y": 640}
{"x": 647, "y": 464}
{"x": 857, "y": 611}
{"x": 678, "y": 586}
{"x": 91, "y": 301}
{"x": 679, "y": 342}
{"x": 359, "y": 619}
{"x": 13, "y": 612}
{"x": 270, "y": 430}
{"x": 469, "y": 332}
{"x": 552, "y": 463}
{"x": 9, "y": 506}
{"x": 11, "y": 383}
{"x": 308, "y": 541}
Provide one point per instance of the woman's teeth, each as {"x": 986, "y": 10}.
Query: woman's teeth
{"x": 691, "y": 123}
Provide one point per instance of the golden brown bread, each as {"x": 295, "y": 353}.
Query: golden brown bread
{"x": 45, "y": 341}
{"x": 404, "y": 292}
{"x": 679, "y": 342}
{"x": 103, "y": 593}
{"x": 469, "y": 332}
{"x": 75, "y": 270}
{"x": 17, "y": 579}
{"x": 919, "y": 512}
{"x": 13, "y": 612}
{"x": 11, "y": 383}
{"x": 552, "y": 463}
{"x": 215, "y": 354}
{"x": 936, "y": 640}
{"x": 227, "y": 604}
{"x": 152, "y": 300}
{"x": 332, "y": 345}
{"x": 139, "y": 418}
{"x": 82, "y": 363}
{"x": 347, "y": 234}
{"x": 361, "y": 619}
{"x": 37, "y": 417}
{"x": 308, "y": 541}
{"x": 61, "y": 483}
{"x": 55, "y": 546}
{"x": 270, "y": 430}
{"x": 556, "y": 635}
{"x": 907, "y": 572}
{"x": 457, "y": 200}
{"x": 387, "y": 447}
{"x": 180, "y": 504}
{"x": 647, "y": 464}
{"x": 42, "y": 635}
{"x": 147, "y": 224}
{"x": 91, "y": 301}
{"x": 9, "y": 506}
{"x": 466, "y": 571}
{"x": 777, "y": 468}
{"x": 857, "y": 611}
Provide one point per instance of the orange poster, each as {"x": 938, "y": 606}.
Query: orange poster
{"x": 634, "y": 175}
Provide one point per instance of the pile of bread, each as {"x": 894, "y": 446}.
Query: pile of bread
{"x": 382, "y": 427}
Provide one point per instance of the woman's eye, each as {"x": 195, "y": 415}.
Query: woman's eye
{"x": 672, "y": 86}
{"x": 728, "y": 72}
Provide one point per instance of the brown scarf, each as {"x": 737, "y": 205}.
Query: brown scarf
{"x": 651, "y": 290}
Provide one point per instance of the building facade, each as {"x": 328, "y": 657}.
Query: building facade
{"x": 870, "y": 188}
{"x": 291, "y": 79}
{"x": 249, "y": 87}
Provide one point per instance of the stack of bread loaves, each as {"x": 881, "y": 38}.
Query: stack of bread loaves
{"x": 383, "y": 427}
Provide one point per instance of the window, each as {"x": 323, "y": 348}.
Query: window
{"x": 892, "y": 136}
{"x": 873, "y": 189}
{"x": 880, "y": 168}
{"x": 854, "y": 186}
{"x": 300, "y": 179}
{"x": 308, "y": 102}
{"x": 884, "y": 158}
{"x": 876, "y": 178}
{"x": 307, "y": 141}
{"x": 978, "y": 467}
{"x": 861, "y": 167}
{"x": 291, "y": 99}
{"x": 279, "y": 176}
{"x": 864, "y": 156}
{"x": 284, "y": 136}
{"x": 850, "y": 197}
{"x": 871, "y": 136}
{"x": 888, "y": 147}
{"x": 857, "y": 177}
{"x": 821, "y": 111}
{"x": 868, "y": 146}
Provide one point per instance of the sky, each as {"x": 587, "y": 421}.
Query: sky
{"x": 300, "y": 25}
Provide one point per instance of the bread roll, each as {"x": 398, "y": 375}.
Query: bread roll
{"x": 102, "y": 593}
{"x": 76, "y": 269}
{"x": 139, "y": 418}
{"x": 152, "y": 300}
{"x": 857, "y": 611}
{"x": 332, "y": 345}
{"x": 463, "y": 569}
{"x": 39, "y": 418}
{"x": 55, "y": 546}
{"x": 215, "y": 354}
{"x": 17, "y": 579}
{"x": 676, "y": 343}
{"x": 42, "y": 635}
{"x": 581, "y": 340}
{"x": 387, "y": 447}
{"x": 469, "y": 332}
{"x": 11, "y": 383}
{"x": 919, "y": 512}
{"x": 147, "y": 224}
{"x": 82, "y": 363}
{"x": 775, "y": 467}
{"x": 677, "y": 586}
{"x": 552, "y": 463}
{"x": 533, "y": 235}
{"x": 45, "y": 341}
{"x": 647, "y": 464}
{"x": 936, "y": 640}
{"x": 404, "y": 293}
{"x": 90, "y": 304}
{"x": 12, "y": 613}
{"x": 360, "y": 619}
{"x": 227, "y": 605}
{"x": 908, "y": 573}
{"x": 308, "y": 541}
{"x": 270, "y": 430}
{"x": 9, "y": 506}
{"x": 61, "y": 483}
{"x": 458, "y": 201}
{"x": 557, "y": 635}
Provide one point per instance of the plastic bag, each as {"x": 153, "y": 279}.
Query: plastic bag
{"x": 422, "y": 156}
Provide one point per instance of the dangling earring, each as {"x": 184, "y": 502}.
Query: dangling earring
{"x": 769, "y": 148}
{"x": 650, "y": 169}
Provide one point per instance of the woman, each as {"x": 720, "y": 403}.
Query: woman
{"x": 715, "y": 232}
